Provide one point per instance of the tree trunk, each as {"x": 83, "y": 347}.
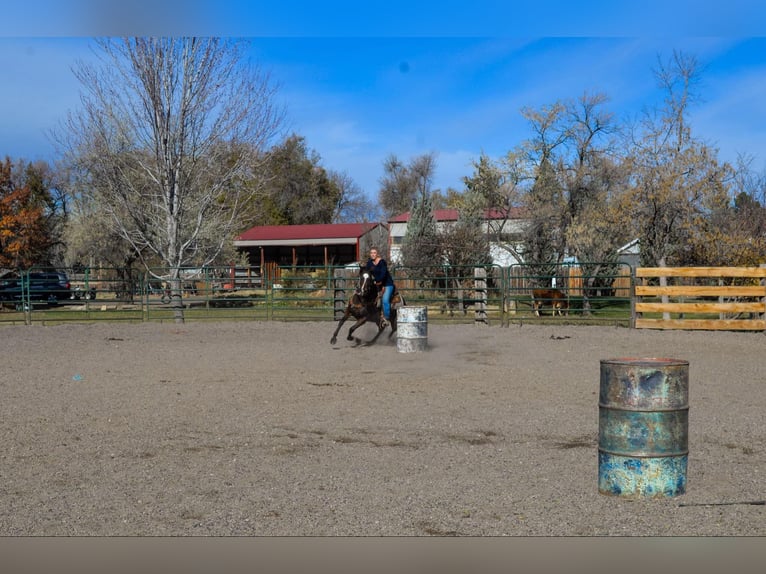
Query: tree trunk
{"x": 176, "y": 299}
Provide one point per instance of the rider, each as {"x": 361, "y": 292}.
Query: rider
{"x": 383, "y": 280}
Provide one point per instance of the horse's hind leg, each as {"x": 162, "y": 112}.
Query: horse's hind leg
{"x": 359, "y": 322}
{"x": 393, "y": 325}
{"x": 380, "y": 330}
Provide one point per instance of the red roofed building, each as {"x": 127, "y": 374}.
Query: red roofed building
{"x": 314, "y": 245}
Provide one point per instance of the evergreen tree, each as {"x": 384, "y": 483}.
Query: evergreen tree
{"x": 421, "y": 246}
{"x": 543, "y": 244}
{"x": 466, "y": 242}
{"x": 297, "y": 189}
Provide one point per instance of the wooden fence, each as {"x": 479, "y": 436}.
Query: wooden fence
{"x": 703, "y": 298}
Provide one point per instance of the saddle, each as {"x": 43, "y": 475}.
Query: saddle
{"x": 379, "y": 299}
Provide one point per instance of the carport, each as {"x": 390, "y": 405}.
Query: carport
{"x": 310, "y": 245}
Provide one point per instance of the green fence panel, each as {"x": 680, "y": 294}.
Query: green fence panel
{"x": 458, "y": 294}
{"x": 303, "y": 293}
{"x": 595, "y": 292}
{"x": 486, "y": 295}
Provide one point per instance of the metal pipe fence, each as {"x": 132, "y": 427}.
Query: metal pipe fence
{"x": 487, "y": 295}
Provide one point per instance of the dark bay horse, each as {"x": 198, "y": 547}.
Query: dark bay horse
{"x": 364, "y": 307}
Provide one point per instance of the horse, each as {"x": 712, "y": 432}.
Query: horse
{"x": 553, "y": 297}
{"x": 364, "y": 306}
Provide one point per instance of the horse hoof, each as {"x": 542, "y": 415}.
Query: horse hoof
{"x": 333, "y": 340}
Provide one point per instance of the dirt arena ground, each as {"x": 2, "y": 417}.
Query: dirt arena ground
{"x": 265, "y": 428}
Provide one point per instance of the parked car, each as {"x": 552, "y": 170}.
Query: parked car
{"x": 44, "y": 286}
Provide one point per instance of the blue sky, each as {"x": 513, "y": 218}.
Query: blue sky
{"x": 362, "y": 81}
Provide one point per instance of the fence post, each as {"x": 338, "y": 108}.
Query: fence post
{"x": 26, "y": 299}
{"x": 480, "y": 294}
{"x": 763, "y": 299}
{"x": 144, "y": 288}
{"x": 504, "y": 300}
{"x": 632, "y": 297}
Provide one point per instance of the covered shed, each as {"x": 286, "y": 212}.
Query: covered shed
{"x": 310, "y": 245}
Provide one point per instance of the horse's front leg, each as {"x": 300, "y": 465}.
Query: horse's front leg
{"x": 337, "y": 329}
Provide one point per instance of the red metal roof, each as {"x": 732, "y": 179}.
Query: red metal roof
{"x": 308, "y": 232}
{"x": 452, "y": 215}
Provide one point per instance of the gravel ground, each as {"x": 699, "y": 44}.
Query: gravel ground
{"x": 264, "y": 428}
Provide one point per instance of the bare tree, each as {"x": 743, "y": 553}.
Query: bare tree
{"x": 169, "y": 130}
{"x": 677, "y": 180}
{"x": 541, "y": 160}
{"x": 353, "y": 205}
{"x": 401, "y": 184}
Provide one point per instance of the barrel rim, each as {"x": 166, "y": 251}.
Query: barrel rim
{"x": 644, "y": 454}
{"x": 625, "y": 407}
{"x": 645, "y": 361}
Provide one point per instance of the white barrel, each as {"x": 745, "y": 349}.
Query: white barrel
{"x": 411, "y": 329}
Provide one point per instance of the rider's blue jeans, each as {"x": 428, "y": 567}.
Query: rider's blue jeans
{"x": 387, "y": 292}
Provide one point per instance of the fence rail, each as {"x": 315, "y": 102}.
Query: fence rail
{"x": 704, "y": 298}
{"x": 489, "y": 295}
{"x": 660, "y": 298}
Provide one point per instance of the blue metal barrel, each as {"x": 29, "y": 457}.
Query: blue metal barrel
{"x": 643, "y": 433}
{"x": 411, "y": 329}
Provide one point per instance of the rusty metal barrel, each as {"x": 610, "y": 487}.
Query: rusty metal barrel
{"x": 411, "y": 329}
{"x": 643, "y": 427}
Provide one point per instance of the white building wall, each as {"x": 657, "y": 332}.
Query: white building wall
{"x": 500, "y": 256}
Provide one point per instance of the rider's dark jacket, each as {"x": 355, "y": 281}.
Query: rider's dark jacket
{"x": 380, "y": 273}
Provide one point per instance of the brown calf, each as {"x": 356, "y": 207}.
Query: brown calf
{"x": 553, "y": 297}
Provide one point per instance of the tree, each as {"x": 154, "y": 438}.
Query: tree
{"x": 449, "y": 199}
{"x": 594, "y": 177}
{"x": 169, "y": 132}
{"x": 736, "y": 234}
{"x": 352, "y": 205}
{"x": 91, "y": 240}
{"x": 538, "y": 163}
{"x": 496, "y": 186}
{"x": 574, "y": 173}
{"x": 26, "y": 215}
{"x": 296, "y": 189}
{"x": 401, "y": 183}
{"x": 421, "y": 245}
{"x": 543, "y": 243}
{"x": 677, "y": 181}
{"x": 465, "y": 243}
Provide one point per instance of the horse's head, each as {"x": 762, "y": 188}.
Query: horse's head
{"x": 366, "y": 288}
